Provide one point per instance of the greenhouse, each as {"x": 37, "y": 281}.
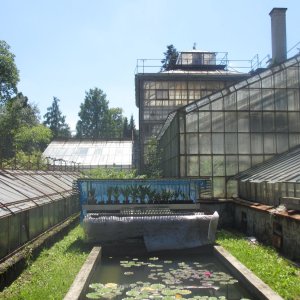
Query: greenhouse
{"x": 92, "y": 153}
{"x": 234, "y": 129}
{"x": 31, "y": 202}
{"x": 269, "y": 182}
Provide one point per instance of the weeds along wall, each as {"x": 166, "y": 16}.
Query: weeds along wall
{"x": 234, "y": 129}
{"x": 31, "y": 203}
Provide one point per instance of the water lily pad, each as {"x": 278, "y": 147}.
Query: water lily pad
{"x": 153, "y": 258}
{"x": 168, "y": 261}
{"x": 111, "y": 285}
{"x": 96, "y": 286}
{"x": 184, "y": 292}
{"x": 169, "y": 292}
{"x": 128, "y": 273}
{"x": 133, "y": 293}
{"x": 158, "y": 286}
{"x": 136, "y": 259}
{"x": 93, "y": 295}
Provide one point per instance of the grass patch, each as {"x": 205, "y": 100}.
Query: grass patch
{"x": 280, "y": 274}
{"x": 52, "y": 273}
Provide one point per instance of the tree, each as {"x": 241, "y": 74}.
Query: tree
{"x": 132, "y": 128}
{"x": 170, "y": 59}
{"x": 153, "y": 158}
{"x": 97, "y": 120}
{"x": 32, "y": 139}
{"x": 17, "y": 112}
{"x": 56, "y": 121}
{"x": 9, "y": 74}
{"x": 126, "y": 130}
{"x": 93, "y": 115}
{"x": 115, "y": 123}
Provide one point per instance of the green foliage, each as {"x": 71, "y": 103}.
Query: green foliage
{"x": 52, "y": 273}
{"x": 170, "y": 59}
{"x": 16, "y": 113}
{"x": 115, "y": 123}
{"x": 56, "y": 121}
{"x": 34, "y": 138}
{"x": 280, "y": 274}
{"x": 153, "y": 157}
{"x": 106, "y": 173}
{"x": 9, "y": 74}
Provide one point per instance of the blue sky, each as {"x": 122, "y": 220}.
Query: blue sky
{"x": 65, "y": 47}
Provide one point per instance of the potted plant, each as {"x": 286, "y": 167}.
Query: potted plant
{"x": 126, "y": 192}
{"x": 109, "y": 194}
{"x": 115, "y": 192}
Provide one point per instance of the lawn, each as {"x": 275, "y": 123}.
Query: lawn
{"x": 280, "y": 274}
{"x": 52, "y": 273}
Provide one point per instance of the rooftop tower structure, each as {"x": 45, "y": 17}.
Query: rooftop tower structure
{"x": 195, "y": 75}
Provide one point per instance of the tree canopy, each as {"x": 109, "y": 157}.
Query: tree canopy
{"x": 170, "y": 59}
{"x": 9, "y": 74}
{"x": 97, "y": 120}
{"x": 56, "y": 121}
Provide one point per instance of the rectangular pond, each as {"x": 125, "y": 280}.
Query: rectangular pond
{"x": 185, "y": 274}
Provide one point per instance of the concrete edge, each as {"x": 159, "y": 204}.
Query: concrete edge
{"x": 251, "y": 282}
{"x": 84, "y": 275}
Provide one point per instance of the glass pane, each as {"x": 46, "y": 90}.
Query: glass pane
{"x": 205, "y": 143}
{"x": 192, "y": 143}
{"x": 217, "y": 105}
{"x": 257, "y": 159}
{"x": 230, "y": 121}
{"x": 255, "y": 99}
{"x": 294, "y": 140}
{"x": 218, "y": 165}
{"x": 217, "y": 121}
{"x": 244, "y": 162}
{"x": 218, "y": 143}
{"x": 268, "y": 99}
{"x": 243, "y": 121}
{"x": 232, "y": 188}
{"x": 244, "y": 143}
{"x": 192, "y": 166}
{"x": 182, "y": 166}
{"x": 231, "y": 165}
{"x": 231, "y": 143}
{"x": 256, "y": 121}
{"x": 268, "y": 122}
{"x": 281, "y": 121}
{"x": 282, "y": 142}
{"x": 256, "y": 143}
{"x": 192, "y": 122}
{"x": 280, "y": 100}
{"x": 269, "y": 143}
{"x": 219, "y": 187}
{"x": 205, "y": 165}
{"x": 230, "y": 102}
{"x": 182, "y": 144}
{"x": 243, "y": 99}
{"x": 204, "y": 121}
{"x": 293, "y": 99}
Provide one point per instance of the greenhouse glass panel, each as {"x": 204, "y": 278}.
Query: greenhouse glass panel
{"x": 268, "y": 99}
{"x": 217, "y": 143}
{"x": 269, "y": 143}
{"x": 192, "y": 143}
{"x": 293, "y": 99}
{"x": 280, "y": 79}
{"x": 297, "y": 190}
{"x": 205, "y": 143}
{"x": 204, "y": 121}
{"x": 282, "y": 142}
{"x": 255, "y": 99}
{"x": 244, "y": 143}
{"x": 218, "y": 165}
{"x": 294, "y": 140}
{"x": 182, "y": 144}
{"x": 243, "y": 99}
{"x": 292, "y": 77}
{"x": 281, "y": 122}
{"x": 244, "y": 162}
{"x": 182, "y": 166}
{"x": 192, "y": 122}
{"x": 217, "y": 105}
{"x": 231, "y": 165}
{"x": 268, "y": 122}
{"x": 230, "y": 102}
{"x": 205, "y": 165}
{"x": 218, "y": 121}
{"x": 192, "y": 166}
{"x": 243, "y": 121}
{"x": 280, "y": 100}
{"x": 257, "y": 159}
{"x": 219, "y": 187}
{"x": 231, "y": 143}
{"x": 256, "y": 121}
{"x": 230, "y": 121}
{"x": 256, "y": 143}
{"x": 291, "y": 190}
{"x": 294, "y": 121}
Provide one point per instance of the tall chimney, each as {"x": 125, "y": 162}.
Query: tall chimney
{"x": 278, "y": 27}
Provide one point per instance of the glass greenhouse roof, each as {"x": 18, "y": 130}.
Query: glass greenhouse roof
{"x": 92, "y": 153}
{"x": 281, "y": 168}
{"x": 21, "y": 190}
